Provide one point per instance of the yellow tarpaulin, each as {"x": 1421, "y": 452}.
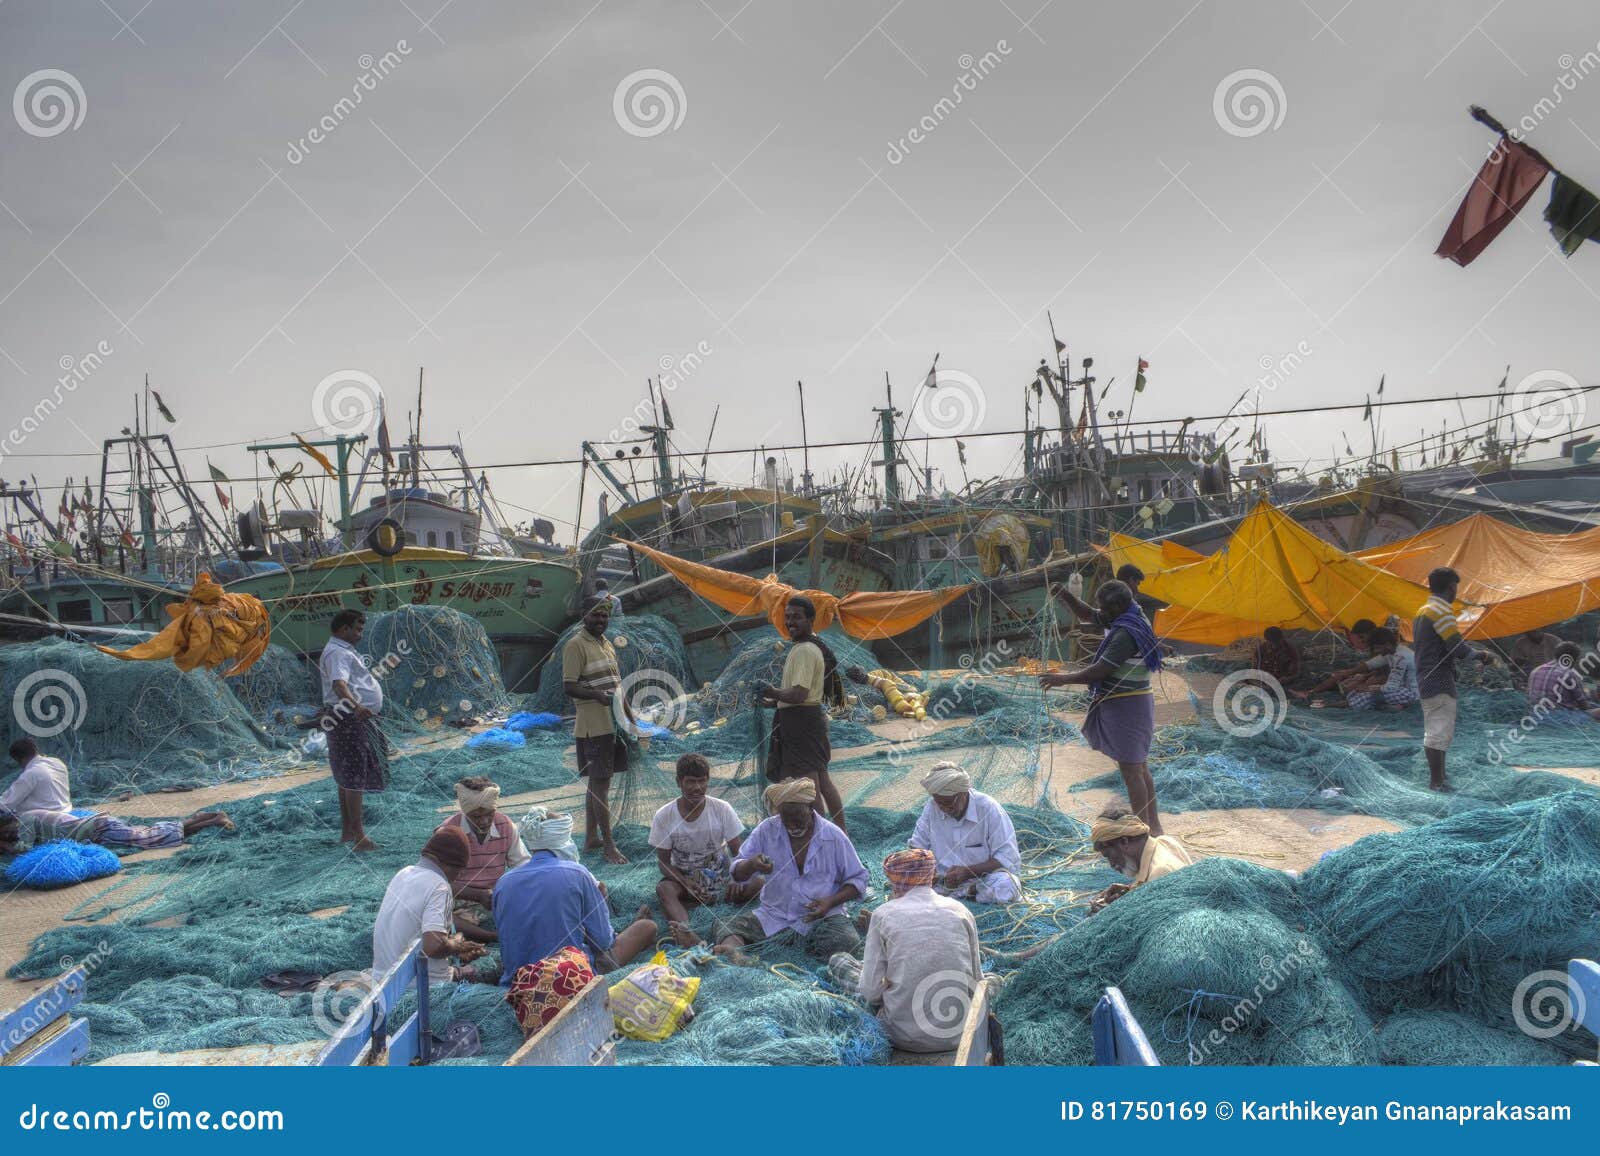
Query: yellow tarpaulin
{"x": 208, "y": 628}
{"x": 1511, "y": 579}
{"x": 1148, "y": 556}
{"x": 876, "y": 615}
{"x": 996, "y": 534}
{"x": 1274, "y": 572}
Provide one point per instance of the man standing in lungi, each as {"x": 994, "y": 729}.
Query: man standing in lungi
{"x": 800, "y": 724}
{"x": 1121, "y": 719}
{"x": 351, "y": 699}
{"x": 591, "y": 678}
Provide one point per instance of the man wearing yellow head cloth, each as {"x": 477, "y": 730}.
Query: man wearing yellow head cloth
{"x": 812, "y": 871}
{"x": 1125, "y": 841}
{"x": 971, "y": 838}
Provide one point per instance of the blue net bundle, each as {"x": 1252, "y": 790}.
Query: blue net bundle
{"x": 436, "y": 665}
{"x": 60, "y": 864}
{"x": 133, "y": 726}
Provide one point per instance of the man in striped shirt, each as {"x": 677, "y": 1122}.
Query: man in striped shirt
{"x": 1439, "y": 647}
{"x": 591, "y": 678}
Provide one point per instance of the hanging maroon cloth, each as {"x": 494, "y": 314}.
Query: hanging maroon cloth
{"x": 1508, "y": 178}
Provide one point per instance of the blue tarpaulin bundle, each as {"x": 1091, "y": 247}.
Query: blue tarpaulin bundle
{"x": 61, "y": 864}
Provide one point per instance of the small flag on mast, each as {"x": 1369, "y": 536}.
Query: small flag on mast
{"x": 1366, "y": 414}
{"x": 383, "y": 437}
{"x": 222, "y": 499}
{"x": 1061, "y": 346}
{"x": 161, "y": 406}
{"x": 1138, "y": 377}
{"x": 317, "y": 455}
{"x": 216, "y": 474}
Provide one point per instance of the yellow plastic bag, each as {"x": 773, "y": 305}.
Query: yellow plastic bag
{"x": 653, "y": 1001}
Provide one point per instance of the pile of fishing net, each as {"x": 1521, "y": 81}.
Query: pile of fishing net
{"x": 436, "y": 665}
{"x": 1426, "y": 934}
{"x": 133, "y": 726}
{"x": 282, "y": 689}
{"x": 650, "y": 655}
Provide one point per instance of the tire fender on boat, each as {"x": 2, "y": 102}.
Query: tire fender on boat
{"x": 387, "y": 538}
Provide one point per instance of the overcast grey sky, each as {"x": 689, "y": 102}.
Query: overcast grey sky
{"x": 486, "y": 212}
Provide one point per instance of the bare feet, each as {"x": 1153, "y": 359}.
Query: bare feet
{"x": 224, "y": 822}
{"x": 643, "y": 913}
{"x": 593, "y": 844}
{"x": 614, "y": 856}
{"x": 364, "y": 844}
{"x": 683, "y": 935}
{"x": 732, "y": 954}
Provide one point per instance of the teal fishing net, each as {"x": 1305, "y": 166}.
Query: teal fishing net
{"x": 436, "y": 665}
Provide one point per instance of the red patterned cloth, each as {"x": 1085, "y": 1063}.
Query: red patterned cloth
{"x": 540, "y": 990}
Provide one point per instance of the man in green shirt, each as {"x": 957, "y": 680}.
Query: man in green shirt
{"x": 590, "y": 676}
{"x": 800, "y": 745}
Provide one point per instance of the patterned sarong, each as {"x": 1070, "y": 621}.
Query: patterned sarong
{"x": 540, "y": 990}
{"x": 358, "y": 755}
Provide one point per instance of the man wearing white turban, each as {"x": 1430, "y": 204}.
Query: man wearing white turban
{"x": 971, "y": 837}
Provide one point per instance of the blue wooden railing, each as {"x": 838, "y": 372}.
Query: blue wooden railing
{"x": 40, "y": 1031}
{"x": 364, "y": 1034}
{"x": 1118, "y": 1038}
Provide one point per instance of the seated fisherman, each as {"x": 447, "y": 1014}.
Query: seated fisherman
{"x": 1125, "y": 841}
{"x": 1277, "y": 656}
{"x": 1532, "y": 649}
{"x": 812, "y": 871}
{"x": 551, "y": 903}
{"x": 1399, "y": 665}
{"x": 971, "y": 837}
{"x": 1358, "y": 676}
{"x": 495, "y": 848}
{"x": 38, "y": 827}
{"x": 1558, "y": 684}
{"x": 417, "y": 905}
{"x": 43, "y": 784}
{"x": 922, "y": 961}
{"x": 696, "y": 837}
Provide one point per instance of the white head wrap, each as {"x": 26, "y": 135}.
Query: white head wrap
{"x": 946, "y": 778}
{"x": 542, "y": 831}
{"x": 469, "y": 800}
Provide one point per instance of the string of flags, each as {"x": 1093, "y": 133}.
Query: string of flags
{"x": 1508, "y": 179}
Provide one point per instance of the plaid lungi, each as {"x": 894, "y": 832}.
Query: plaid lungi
{"x": 358, "y": 755}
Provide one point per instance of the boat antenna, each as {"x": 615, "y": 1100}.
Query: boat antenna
{"x": 805, "y": 442}
{"x": 707, "y": 454}
{"x": 416, "y": 445}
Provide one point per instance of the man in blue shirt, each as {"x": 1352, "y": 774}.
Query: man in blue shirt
{"x": 549, "y": 903}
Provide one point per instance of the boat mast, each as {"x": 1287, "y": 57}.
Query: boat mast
{"x": 891, "y": 460}
{"x": 805, "y": 442}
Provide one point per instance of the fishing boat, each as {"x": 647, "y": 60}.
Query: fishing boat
{"x": 426, "y": 537}
{"x": 781, "y": 526}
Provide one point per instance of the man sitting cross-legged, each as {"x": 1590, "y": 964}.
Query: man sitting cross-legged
{"x": 696, "y": 837}
{"x": 812, "y": 871}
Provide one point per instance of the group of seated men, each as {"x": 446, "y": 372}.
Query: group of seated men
{"x": 480, "y": 880}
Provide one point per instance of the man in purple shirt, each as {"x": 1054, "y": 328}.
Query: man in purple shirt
{"x": 812, "y": 871}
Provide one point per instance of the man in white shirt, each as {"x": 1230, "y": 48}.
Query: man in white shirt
{"x": 417, "y": 905}
{"x": 971, "y": 837}
{"x": 42, "y": 786}
{"x": 357, "y": 752}
{"x": 696, "y": 837}
{"x": 921, "y": 963}
{"x": 1126, "y": 843}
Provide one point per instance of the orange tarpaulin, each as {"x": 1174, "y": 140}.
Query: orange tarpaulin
{"x": 875, "y": 615}
{"x": 207, "y": 629}
{"x": 1274, "y": 572}
{"x": 1511, "y": 579}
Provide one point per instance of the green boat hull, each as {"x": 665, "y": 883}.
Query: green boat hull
{"x": 523, "y": 603}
